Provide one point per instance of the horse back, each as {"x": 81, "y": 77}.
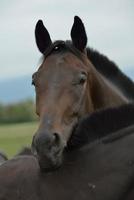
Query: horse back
{"x": 101, "y": 172}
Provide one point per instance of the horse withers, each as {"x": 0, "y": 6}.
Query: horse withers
{"x": 68, "y": 87}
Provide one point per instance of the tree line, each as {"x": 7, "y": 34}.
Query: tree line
{"x": 23, "y": 111}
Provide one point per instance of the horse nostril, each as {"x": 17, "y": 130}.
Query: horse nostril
{"x": 45, "y": 141}
{"x": 56, "y": 137}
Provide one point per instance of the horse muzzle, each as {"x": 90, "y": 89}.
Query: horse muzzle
{"x": 48, "y": 149}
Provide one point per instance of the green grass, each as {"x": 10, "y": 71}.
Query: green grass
{"x": 15, "y": 136}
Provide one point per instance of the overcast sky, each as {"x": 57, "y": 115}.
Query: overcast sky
{"x": 109, "y": 25}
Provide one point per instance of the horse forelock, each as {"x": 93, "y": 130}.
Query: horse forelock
{"x": 63, "y": 46}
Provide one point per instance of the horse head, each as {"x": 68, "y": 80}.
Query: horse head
{"x": 67, "y": 88}
{"x": 61, "y": 91}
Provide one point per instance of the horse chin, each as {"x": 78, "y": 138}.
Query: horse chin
{"x": 50, "y": 163}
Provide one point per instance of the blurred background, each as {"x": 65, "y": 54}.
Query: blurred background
{"x": 110, "y": 30}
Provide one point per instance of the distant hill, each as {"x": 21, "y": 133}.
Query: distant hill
{"x": 16, "y": 89}
{"x": 20, "y": 88}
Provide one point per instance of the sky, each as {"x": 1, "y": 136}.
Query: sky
{"x": 109, "y": 26}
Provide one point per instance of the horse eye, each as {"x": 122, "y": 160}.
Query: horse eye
{"x": 82, "y": 78}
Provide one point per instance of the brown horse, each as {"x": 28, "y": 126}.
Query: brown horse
{"x": 3, "y": 157}
{"x": 100, "y": 170}
{"x": 68, "y": 87}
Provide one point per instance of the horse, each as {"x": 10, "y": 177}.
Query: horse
{"x": 100, "y": 168}
{"x": 26, "y": 150}
{"x": 3, "y": 157}
{"x": 68, "y": 87}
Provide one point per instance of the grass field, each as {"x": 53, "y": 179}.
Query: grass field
{"x": 15, "y": 136}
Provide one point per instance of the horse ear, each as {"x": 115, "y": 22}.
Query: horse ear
{"x": 78, "y": 34}
{"x": 42, "y": 37}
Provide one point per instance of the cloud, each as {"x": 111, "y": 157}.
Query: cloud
{"x": 109, "y": 28}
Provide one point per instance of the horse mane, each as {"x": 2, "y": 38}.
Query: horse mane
{"x": 100, "y": 124}
{"x": 111, "y": 71}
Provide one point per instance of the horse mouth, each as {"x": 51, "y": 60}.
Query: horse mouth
{"x": 48, "y": 164}
{"x": 50, "y": 159}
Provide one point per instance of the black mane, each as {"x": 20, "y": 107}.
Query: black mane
{"x": 111, "y": 71}
{"x": 100, "y": 124}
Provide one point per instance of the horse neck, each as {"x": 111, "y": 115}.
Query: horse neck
{"x": 102, "y": 93}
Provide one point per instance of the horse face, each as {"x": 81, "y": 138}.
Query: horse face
{"x": 61, "y": 86}
{"x": 61, "y": 95}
